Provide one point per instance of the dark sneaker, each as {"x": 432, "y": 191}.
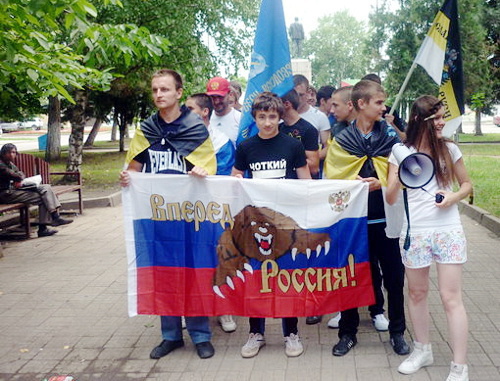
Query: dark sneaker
{"x": 61, "y": 221}
{"x": 344, "y": 345}
{"x": 205, "y": 350}
{"x": 165, "y": 348}
{"x": 310, "y": 320}
{"x": 46, "y": 232}
{"x": 399, "y": 344}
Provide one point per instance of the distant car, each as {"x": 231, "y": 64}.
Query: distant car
{"x": 34, "y": 124}
{"x": 9, "y": 126}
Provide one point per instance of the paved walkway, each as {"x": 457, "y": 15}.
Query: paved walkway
{"x": 63, "y": 312}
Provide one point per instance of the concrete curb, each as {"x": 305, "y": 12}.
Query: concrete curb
{"x": 483, "y": 217}
{"x": 113, "y": 199}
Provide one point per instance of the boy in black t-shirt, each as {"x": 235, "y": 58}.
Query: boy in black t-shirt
{"x": 271, "y": 155}
{"x": 360, "y": 151}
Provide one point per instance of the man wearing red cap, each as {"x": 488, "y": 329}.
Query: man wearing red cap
{"x": 225, "y": 118}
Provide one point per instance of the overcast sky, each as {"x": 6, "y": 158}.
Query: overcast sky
{"x": 308, "y": 11}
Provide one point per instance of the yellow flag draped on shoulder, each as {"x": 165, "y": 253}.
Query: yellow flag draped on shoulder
{"x": 341, "y": 165}
{"x": 189, "y": 137}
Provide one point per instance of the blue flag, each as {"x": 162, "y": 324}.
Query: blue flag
{"x": 270, "y": 68}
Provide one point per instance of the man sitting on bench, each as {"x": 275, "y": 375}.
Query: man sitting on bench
{"x": 12, "y": 191}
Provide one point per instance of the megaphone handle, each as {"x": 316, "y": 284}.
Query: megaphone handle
{"x": 406, "y": 245}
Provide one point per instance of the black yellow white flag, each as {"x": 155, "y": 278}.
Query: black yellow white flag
{"x": 441, "y": 56}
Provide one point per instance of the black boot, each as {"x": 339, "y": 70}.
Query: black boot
{"x": 43, "y": 231}
{"x": 57, "y": 220}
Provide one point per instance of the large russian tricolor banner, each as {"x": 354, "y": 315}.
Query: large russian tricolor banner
{"x": 262, "y": 248}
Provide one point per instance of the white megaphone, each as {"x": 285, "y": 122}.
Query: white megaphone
{"x": 415, "y": 169}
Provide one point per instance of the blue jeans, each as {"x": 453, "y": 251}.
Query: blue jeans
{"x": 197, "y": 326}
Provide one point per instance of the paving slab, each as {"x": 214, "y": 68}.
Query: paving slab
{"x": 63, "y": 311}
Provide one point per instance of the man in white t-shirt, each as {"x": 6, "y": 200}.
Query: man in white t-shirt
{"x": 314, "y": 116}
{"x": 225, "y": 118}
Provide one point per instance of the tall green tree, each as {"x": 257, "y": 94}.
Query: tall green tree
{"x": 336, "y": 49}
{"x": 408, "y": 28}
{"x": 202, "y": 37}
{"x": 491, "y": 22}
{"x": 35, "y": 63}
{"x": 113, "y": 49}
{"x": 479, "y": 94}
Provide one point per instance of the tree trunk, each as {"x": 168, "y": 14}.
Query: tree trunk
{"x": 122, "y": 124}
{"x": 122, "y": 140}
{"x": 77, "y": 131}
{"x": 53, "y": 149}
{"x": 114, "y": 129}
{"x": 477, "y": 124}
{"x": 93, "y": 133}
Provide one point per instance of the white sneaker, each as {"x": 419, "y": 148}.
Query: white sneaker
{"x": 380, "y": 323}
{"x": 420, "y": 357}
{"x": 334, "y": 321}
{"x": 458, "y": 372}
{"x": 227, "y": 323}
{"x": 253, "y": 345}
{"x": 293, "y": 345}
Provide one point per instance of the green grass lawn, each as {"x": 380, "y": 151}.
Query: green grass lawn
{"x": 99, "y": 169}
{"x": 467, "y": 138}
{"x": 482, "y": 149}
{"x": 483, "y": 165}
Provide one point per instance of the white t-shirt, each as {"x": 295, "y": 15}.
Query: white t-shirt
{"x": 317, "y": 119}
{"x": 229, "y": 124}
{"x": 218, "y": 138}
{"x": 424, "y": 215}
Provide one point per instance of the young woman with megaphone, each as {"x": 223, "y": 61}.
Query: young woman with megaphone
{"x": 432, "y": 230}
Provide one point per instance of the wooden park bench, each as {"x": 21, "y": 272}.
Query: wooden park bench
{"x": 32, "y": 166}
{"x": 24, "y": 216}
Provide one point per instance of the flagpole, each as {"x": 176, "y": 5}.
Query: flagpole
{"x": 403, "y": 87}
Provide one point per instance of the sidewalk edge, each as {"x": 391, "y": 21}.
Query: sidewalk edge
{"x": 113, "y": 199}
{"x": 483, "y": 217}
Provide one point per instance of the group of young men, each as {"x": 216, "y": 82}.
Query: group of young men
{"x": 354, "y": 144}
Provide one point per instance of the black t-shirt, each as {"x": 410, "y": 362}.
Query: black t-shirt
{"x": 161, "y": 157}
{"x": 275, "y": 158}
{"x": 303, "y": 131}
{"x": 376, "y": 210}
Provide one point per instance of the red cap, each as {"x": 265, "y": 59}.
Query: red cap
{"x": 218, "y": 86}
